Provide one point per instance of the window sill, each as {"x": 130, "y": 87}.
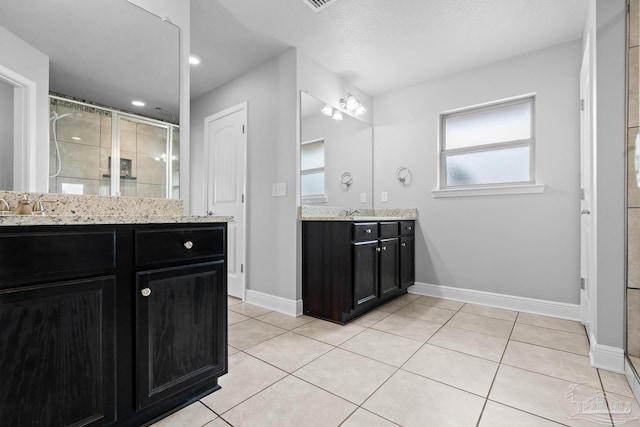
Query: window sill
{"x": 490, "y": 191}
{"x": 320, "y": 198}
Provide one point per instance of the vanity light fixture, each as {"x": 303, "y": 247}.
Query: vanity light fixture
{"x": 351, "y": 103}
{"x": 138, "y": 103}
{"x": 194, "y": 60}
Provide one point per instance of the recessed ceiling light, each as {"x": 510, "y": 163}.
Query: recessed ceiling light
{"x": 194, "y": 60}
{"x": 138, "y": 103}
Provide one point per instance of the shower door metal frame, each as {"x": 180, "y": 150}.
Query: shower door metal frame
{"x": 115, "y": 148}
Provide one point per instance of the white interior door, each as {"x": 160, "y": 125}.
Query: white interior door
{"x": 586, "y": 197}
{"x": 225, "y": 150}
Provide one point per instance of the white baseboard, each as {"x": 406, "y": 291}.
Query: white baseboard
{"x": 606, "y": 357}
{"x": 509, "y": 302}
{"x": 602, "y": 356}
{"x": 275, "y": 303}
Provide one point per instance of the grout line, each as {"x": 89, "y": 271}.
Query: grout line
{"x": 371, "y": 327}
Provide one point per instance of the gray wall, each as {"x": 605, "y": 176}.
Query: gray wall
{"x": 524, "y": 245}
{"x": 6, "y": 136}
{"x": 270, "y": 91}
{"x": 610, "y": 31}
{"x": 348, "y": 147}
{"x": 21, "y": 58}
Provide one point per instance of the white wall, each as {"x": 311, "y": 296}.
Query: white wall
{"x": 21, "y": 58}
{"x": 270, "y": 91}
{"x": 522, "y": 245}
{"x": 6, "y": 136}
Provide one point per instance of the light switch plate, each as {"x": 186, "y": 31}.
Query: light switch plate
{"x": 363, "y": 197}
{"x": 384, "y": 196}
{"x": 279, "y": 189}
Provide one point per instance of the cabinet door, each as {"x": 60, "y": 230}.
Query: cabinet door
{"x": 58, "y": 354}
{"x": 389, "y": 276}
{"x": 181, "y": 327}
{"x": 365, "y": 273}
{"x": 407, "y": 261}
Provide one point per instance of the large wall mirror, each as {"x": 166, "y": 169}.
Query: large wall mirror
{"x": 336, "y": 156}
{"x": 108, "y": 53}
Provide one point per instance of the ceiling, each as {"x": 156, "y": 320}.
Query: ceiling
{"x": 376, "y": 45}
{"x": 104, "y": 52}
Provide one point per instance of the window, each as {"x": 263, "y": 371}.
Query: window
{"x": 488, "y": 146}
{"x": 312, "y": 171}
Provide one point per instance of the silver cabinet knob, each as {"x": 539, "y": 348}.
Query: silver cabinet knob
{"x": 404, "y": 244}
{"x": 378, "y": 249}
{"x": 384, "y": 248}
{"x": 409, "y": 228}
{"x": 188, "y": 244}
{"x": 145, "y": 292}
{"x": 368, "y": 231}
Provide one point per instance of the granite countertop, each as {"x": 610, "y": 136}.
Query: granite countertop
{"x": 326, "y": 213}
{"x": 19, "y": 220}
{"x": 69, "y": 209}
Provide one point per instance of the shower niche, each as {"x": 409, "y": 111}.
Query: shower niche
{"x": 87, "y": 140}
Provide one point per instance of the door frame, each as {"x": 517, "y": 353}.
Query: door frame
{"x": 242, "y": 107}
{"x": 588, "y": 296}
{"x": 24, "y": 131}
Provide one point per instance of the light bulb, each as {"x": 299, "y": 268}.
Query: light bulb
{"x": 337, "y": 115}
{"x": 327, "y": 110}
{"x": 360, "y": 110}
{"x": 342, "y": 103}
{"x": 352, "y": 103}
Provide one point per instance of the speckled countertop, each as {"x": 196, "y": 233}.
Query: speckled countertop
{"x": 68, "y": 209}
{"x": 327, "y": 213}
{"x": 108, "y": 219}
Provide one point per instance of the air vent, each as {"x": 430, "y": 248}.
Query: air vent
{"x": 318, "y": 5}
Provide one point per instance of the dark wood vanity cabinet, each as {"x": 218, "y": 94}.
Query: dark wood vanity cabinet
{"x": 81, "y": 345}
{"x": 180, "y": 311}
{"x": 350, "y": 267}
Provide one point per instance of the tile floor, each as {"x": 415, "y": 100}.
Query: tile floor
{"x": 415, "y": 361}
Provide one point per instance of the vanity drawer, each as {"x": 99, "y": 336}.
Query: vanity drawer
{"x": 388, "y": 229}
{"x": 407, "y": 228}
{"x": 27, "y": 258}
{"x": 179, "y": 244}
{"x": 364, "y": 231}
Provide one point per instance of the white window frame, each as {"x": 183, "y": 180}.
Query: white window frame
{"x": 313, "y": 198}
{"x": 515, "y": 187}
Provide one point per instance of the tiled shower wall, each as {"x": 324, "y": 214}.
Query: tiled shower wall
{"x": 85, "y": 150}
{"x": 633, "y": 185}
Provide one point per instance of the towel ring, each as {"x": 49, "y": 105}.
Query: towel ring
{"x": 346, "y": 180}
{"x": 403, "y": 175}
